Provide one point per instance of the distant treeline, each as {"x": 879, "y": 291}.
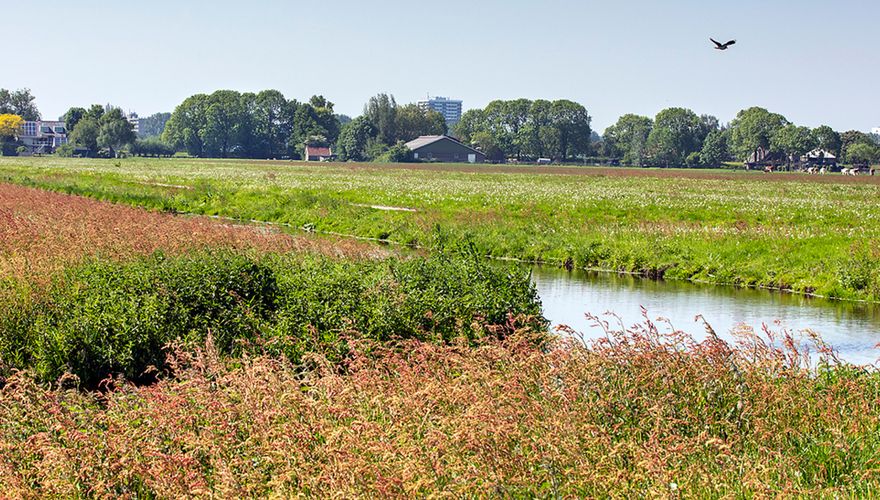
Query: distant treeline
{"x": 266, "y": 124}
{"x": 528, "y": 129}
{"x": 677, "y": 136}
{"x": 153, "y": 125}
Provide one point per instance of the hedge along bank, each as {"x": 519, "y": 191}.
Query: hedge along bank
{"x": 106, "y": 317}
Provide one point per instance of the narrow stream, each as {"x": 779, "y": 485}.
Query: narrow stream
{"x": 851, "y": 328}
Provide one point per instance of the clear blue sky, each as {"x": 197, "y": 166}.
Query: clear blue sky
{"x": 813, "y": 61}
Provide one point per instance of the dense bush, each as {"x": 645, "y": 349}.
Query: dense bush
{"x": 105, "y": 318}
{"x": 151, "y": 147}
{"x": 65, "y": 151}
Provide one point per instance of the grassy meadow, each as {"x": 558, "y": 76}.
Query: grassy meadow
{"x": 790, "y": 231}
{"x": 147, "y": 354}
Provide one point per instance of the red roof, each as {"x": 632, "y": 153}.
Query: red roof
{"x": 315, "y": 151}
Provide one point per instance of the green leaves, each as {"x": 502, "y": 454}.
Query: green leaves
{"x": 108, "y": 318}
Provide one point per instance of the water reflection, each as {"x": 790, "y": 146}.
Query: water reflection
{"x": 853, "y": 328}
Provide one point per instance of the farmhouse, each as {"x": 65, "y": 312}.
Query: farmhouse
{"x": 764, "y": 158}
{"x": 444, "y": 148}
{"x": 316, "y": 153}
{"x": 819, "y": 157}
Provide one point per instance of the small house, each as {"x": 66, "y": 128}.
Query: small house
{"x": 819, "y": 157}
{"x": 445, "y": 149}
{"x": 318, "y": 153}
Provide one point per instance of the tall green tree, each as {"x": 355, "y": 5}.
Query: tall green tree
{"x": 413, "y": 122}
{"x": 72, "y": 117}
{"x": 114, "y": 131}
{"x": 675, "y": 136}
{"x": 86, "y": 133}
{"x": 708, "y": 124}
{"x": 224, "y": 124}
{"x": 862, "y": 153}
{"x": 314, "y": 126}
{"x": 572, "y": 124}
{"x": 752, "y": 129}
{"x": 827, "y": 139}
{"x": 184, "y": 128}
{"x": 272, "y": 123}
{"x": 850, "y": 138}
{"x": 325, "y": 117}
{"x": 715, "y": 150}
{"x": 628, "y": 139}
{"x": 19, "y": 102}
{"x": 793, "y": 142}
{"x": 471, "y": 122}
{"x": 381, "y": 110}
{"x": 538, "y": 133}
{"x": 354, "y": 139}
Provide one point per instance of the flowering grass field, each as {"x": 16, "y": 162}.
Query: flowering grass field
{"x": 812, "y": 234}
{"x": 644, "y": 413}
{"x": 145, "y": 354}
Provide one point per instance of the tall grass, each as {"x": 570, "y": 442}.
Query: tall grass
{"x": 642, "y": 413}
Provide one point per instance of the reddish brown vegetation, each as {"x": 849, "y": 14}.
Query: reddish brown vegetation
{"x": 41, "y": 232}
{"x": 640, "y": 414}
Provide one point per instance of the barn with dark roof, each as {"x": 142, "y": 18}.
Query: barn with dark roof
{"x": 443, "y": 148}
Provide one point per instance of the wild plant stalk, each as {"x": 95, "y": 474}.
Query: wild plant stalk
{"x": 645, "y": 412}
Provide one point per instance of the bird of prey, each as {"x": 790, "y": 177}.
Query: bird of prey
{"x": 722, "y": 46}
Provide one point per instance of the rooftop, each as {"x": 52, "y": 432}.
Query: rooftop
{"x": 318, "y": 151}
{"x": 431, "y": 139}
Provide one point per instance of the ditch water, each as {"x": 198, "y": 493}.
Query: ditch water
{"x": 852, "y": 328}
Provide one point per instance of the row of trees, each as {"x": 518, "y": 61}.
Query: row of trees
{"x": 677, "y": 136}
{"x": 267, "y": 125}
{"x": 523, "y": 128}
{"x": 248, "y": 125}
{"x": 99, "y": 127}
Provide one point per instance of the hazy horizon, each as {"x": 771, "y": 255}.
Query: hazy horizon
{"x": 814, "y": 62}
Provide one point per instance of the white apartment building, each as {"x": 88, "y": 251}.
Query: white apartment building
{"x": 449, "y": 108}
{"x": 132, "y": 118}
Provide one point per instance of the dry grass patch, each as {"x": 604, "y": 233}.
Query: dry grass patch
{"x": 41, "y": 232}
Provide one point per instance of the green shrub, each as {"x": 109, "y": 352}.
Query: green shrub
{"x": 108, "y": 318}
{"x": 65, "y": 151}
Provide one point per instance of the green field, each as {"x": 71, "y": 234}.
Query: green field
{"x": 145, "y": 354}
{"x": 788, "y": 231}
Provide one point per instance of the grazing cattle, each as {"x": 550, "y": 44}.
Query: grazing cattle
{"x": 822, "y": 171}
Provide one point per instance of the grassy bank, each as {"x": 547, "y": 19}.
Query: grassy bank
{"x": 804, "y": 234}
{"x": 645, "y": 414}
{"x": 94, "y": 289}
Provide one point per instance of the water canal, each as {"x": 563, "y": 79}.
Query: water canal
{"x": 852, "y": 328}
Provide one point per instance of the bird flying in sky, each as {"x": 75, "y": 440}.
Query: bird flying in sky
{"x": 722, "y": 46}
